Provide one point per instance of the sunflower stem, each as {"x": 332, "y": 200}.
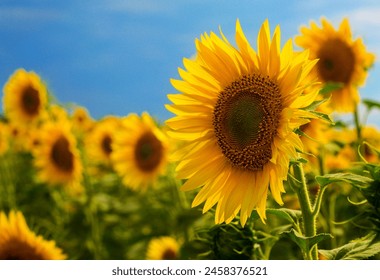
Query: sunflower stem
{"x": 8, "y": 180}
{"x": 357, "y": 125}
{"x": 309, "y": 219}
{"x": 91, "y": 211}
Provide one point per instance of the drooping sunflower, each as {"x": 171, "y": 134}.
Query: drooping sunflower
{"x": 342, "y": 60}
{"x": 99, "y": 140}
{"x": 163, "y": 248}
{"x": 25, "y": 98}
{"x": 18, "y": 242}
{"x": 238, "y": 110}
{"x": 57, "y": 158}
{"x": 139, "y": 151}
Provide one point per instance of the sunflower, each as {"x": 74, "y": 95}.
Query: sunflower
{"x": 25, "y": 98}
{"x": 314, "y": 135}
{"x": 238, "y": 110}
{"x": 139, "y": 151}
{"x": 370, "y": 135}
{"x": 18, "y": 242}
{"x": 342, "y": 60}
{"x": 342, "y": 160}
{"x": 57, "y": 113}
{"x": 3, "y": 138}
{"x": 163, "y": 248}
{"x": 81, "y": 120}
{"x": 100, "y": 138}
{"x": 57, "y": 158}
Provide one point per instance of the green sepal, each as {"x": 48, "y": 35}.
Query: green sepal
{"x": 323, "y": 116}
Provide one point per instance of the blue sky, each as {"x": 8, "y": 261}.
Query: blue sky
{"x": 117, "y": 57}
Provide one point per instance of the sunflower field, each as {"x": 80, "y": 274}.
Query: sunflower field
{"x": 267, "y": 156}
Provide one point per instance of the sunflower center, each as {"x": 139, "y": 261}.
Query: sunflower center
{"x": 148, "y": 152}
{"x": 169, "y": 254}
{"x": 30, "y": 101}
{"x": 61, "y": 155}
{"x": 15, "y": 249}
{"x": 106, "y": 144}
{"x": 336, "y": 61}
{"x": 246, "y": 118}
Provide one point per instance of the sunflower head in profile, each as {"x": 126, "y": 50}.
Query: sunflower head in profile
{"x": 18, "y": 242}
{"x": 163, "y": 248}
{"x": 99, "y": 140}
{"x": 342, "y": 61}
{"x": 57, "y": 158}
{"x": 139, "y": 151}
{"x": 25, "y": 98}
{"x": 237, "y": 110}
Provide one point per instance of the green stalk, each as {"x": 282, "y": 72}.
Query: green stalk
{"x": 308, "y": 215}
{"x": 7, "y": 165}
{"x": 91, "y": 211}
{"x": 357, "y": 125}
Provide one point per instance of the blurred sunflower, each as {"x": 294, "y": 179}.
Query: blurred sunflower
{"x": 314, "y": 135}
{"x": 17, "y": 134}
{"x": 342, "y": 60}
{"x": 163, "y": 248}
{"x": 139, "y": 151}
{"x": 18, "y": 242}
{"x": 99, "y": 140}
{"x": 25, "y": 98}
{"x": 370, "y": 135}
{"x": 81, "y": 120}
{"x": 3, "y": 138}
{"x": 57, "y": 158}
{"x": 238, "y": 110}
{"x": 58, "y": 113}
{"x": 340, "y": 161}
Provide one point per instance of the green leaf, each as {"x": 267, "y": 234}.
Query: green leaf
{"x": 306, "y": 243}
{"x": 284, "y": 213}
{"x": 330, "y": 87}
{"x": 371, "y": 104}
{"x": 355, "y": 250}
{"x": 353, "y": 179}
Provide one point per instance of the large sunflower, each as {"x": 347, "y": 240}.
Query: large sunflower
{"x": 25, "y": 97}
{"x": 342, "y": 60}
{"x": 57, "y": 158}
{"x": 237, "y": 110}
{"x": 18, "y": 242}
{"x": 139, "y": 151}
{"x": 163, "y": 248}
